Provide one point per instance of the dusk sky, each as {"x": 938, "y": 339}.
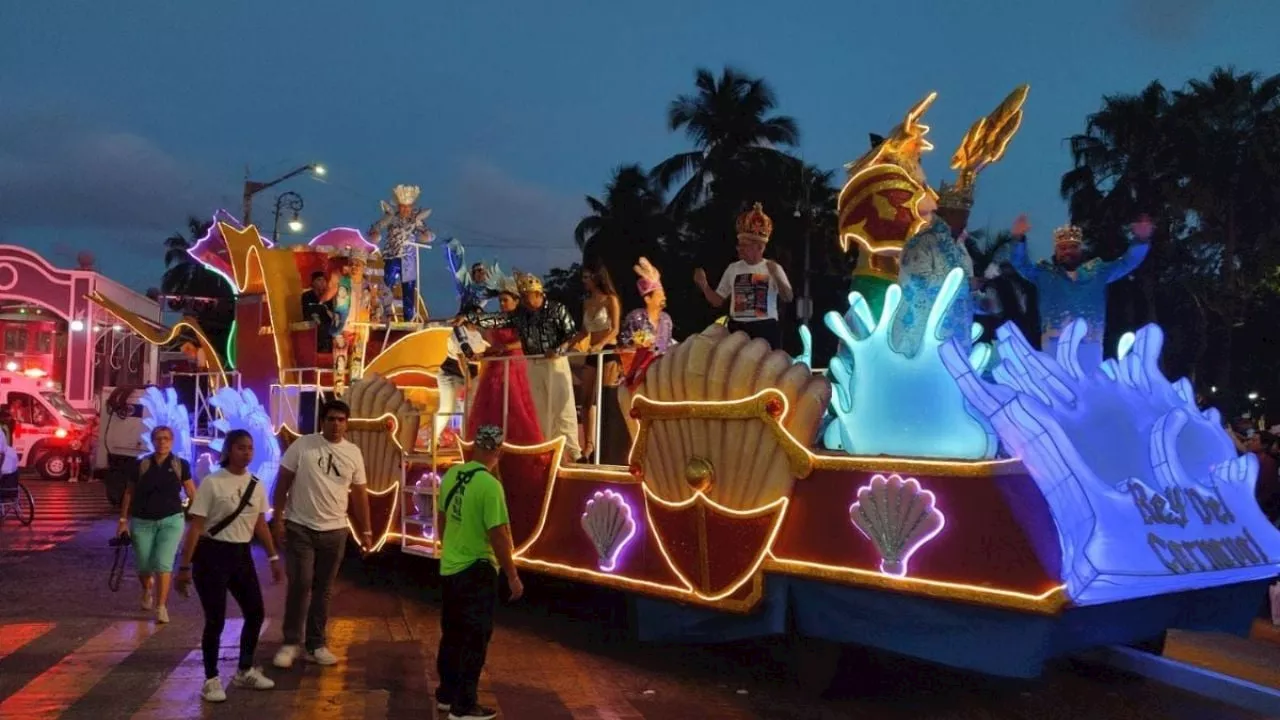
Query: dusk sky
{"x": 115, "y": 125}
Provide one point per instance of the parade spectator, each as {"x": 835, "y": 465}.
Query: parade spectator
{"x": 1267, "y": 490}
{"x": 476, "y": 543}
{"x": 319, "y": 474}
{"x": 228, "y": 511}
{"x": 151, "y": 512}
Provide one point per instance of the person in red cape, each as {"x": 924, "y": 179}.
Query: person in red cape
{"x": 521, "y": 421}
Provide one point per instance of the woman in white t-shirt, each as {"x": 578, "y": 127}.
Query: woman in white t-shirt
{"x": 227, "y": 513}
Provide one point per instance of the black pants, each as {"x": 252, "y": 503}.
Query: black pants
{"x": 767, "y": 330}
{"x": 219, "y": 568}
{"x": 466, "y": 624}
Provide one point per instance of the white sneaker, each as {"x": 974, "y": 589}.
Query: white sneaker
{"x": 162, "y": 614}
{"x": 146, "y": 600}
{"x": 285, "y": 656}
{"x": 321, "y": 656}
{"x": 252, "y": 679}
{"x": 212, "y": 691}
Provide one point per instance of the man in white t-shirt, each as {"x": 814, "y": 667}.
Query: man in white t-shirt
{"x": 319, "y": 475}
{"x": 751, "y": 285}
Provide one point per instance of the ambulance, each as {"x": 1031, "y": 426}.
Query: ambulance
{"x": 49, "y": 435}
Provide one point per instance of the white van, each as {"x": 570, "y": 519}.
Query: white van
{"x": 48, "y": 433}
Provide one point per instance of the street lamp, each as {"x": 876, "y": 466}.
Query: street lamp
{"x": 292, "y": 202}
{"x": 253, "y": 187}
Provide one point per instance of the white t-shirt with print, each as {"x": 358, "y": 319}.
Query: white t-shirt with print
{"x": 323, "y": 475}
{"x": 750, "y": 290}
{"x": 219, "y": 495}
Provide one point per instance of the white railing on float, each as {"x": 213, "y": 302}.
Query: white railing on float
{"x": 506, "y": 360}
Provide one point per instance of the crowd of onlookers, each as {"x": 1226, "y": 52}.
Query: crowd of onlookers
{"x": 1249, "y": 438}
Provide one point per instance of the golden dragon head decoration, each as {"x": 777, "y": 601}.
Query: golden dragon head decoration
{"x": 877, "y": 207}
{"x": 984, "y": 144}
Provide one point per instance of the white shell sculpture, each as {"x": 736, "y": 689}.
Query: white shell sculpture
{"x": 898, "y": 517}
{"x": 373, "y": 396}
{"x": 752, "y": 470}
{"x": 610, "y": 525}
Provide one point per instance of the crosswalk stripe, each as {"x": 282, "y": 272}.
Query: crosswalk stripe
{"x": 178, "y": 697}
{"x": 56, "y": 689}
{"x": 14, "y": 637}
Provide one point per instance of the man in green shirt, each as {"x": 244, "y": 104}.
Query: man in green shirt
{"x": 476, "y": 541}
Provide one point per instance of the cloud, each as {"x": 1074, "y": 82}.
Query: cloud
{"x": 1170, "y": 20}
{"x": 59, "y": 172}
{"x": 522, "y": 223}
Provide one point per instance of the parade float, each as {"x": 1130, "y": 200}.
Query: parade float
{"x": 982, "y": 513}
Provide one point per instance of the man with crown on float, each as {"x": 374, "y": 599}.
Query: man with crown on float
{"x": 545, "y": 328}
{"x": 1070, "y": 288}
{"x": 751, "y": 285}
{"x": 405, "y": 227}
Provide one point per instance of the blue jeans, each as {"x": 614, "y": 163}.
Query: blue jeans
{"x": 155, "y": 543}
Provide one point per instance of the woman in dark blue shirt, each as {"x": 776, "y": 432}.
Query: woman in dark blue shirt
{"x": 153, "y": 502}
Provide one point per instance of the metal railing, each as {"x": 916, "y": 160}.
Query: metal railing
{"x": 205, "y": 384}
{"x": 466, "y": 396}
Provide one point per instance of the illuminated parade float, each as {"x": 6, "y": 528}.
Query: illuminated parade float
{"x": 977, "y": 506}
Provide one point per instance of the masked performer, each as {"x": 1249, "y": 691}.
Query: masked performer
{"x": 751, "y": 285}
{"x": 504, "y": 384}
{"x": 545, "y": 329}
{"x": 405, "y": 226}
{"x": 1071, "y": 288}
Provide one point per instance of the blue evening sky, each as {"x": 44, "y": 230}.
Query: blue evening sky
{"x": 119, "y": 119}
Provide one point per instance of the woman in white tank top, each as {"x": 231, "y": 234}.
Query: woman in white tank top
{"x": 601, "y": 322}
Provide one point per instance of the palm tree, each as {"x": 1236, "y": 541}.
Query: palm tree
{"x": 196, "y": 290}
{"x": 1196, "y": 160}
{"x": 728, "y": 120}
{"x": 632, "y": 208}
{"x": 628, "y": 223}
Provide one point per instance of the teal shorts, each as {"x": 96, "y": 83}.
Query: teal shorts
{"x": 155, "y": 543}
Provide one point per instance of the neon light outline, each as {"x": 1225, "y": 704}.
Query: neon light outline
{"x": 609, "y": 562}
{"x": 908, "y": 550}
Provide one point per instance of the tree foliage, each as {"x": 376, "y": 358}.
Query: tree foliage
{"x": 1204, "y": 162}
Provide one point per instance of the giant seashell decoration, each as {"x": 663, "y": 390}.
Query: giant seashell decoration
{"x": 373, "y": 397}
{"x": 751, "y": 468}
{"x": 898, "y": 517}
{"x": 609, "y": 523}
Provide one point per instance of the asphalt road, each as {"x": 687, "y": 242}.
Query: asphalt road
{"x": 71, "y": 648}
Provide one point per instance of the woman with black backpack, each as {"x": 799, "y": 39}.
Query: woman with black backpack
{"x": 228, "y": 512}
{"x": 151, "y": 512}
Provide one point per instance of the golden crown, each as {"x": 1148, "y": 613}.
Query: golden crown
{"x": 1068, "y": 235}
{"x": 406, "y": 194}
{"x": 955, "y": 197}
{"x": 527, "y": 283}
{"x": 754, "y": 223}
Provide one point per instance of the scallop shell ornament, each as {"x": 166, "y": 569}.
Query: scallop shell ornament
{"x": 609, "y": 523}
{"x": 898, "y": 517}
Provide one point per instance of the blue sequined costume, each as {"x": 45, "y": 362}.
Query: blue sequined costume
{"x": 927, "y": 258}
{"x": 1082, "y": 293}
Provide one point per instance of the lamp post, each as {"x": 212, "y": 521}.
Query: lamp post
{"x": 290, "y": 201}
{"x": 253, "y": 187}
